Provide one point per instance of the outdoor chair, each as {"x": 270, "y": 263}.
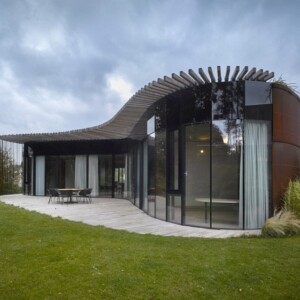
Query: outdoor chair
{"x": 54, "y": 194}
{"x": 85, "y": 195}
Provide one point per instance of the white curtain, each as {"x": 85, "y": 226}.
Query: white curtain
{"x": 93, "y": 175}
{"x": 40, "y": 175}
{"x": 80, "y": 171}
{"x": 256, "y": 190}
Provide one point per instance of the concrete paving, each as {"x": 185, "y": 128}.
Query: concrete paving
{"x": 118, "y": 214}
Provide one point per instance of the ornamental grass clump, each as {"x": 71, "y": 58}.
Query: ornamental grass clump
{"x": 291, "y": 198}
{"x": 283, "y": 223}
{"x": 287, "y": 221}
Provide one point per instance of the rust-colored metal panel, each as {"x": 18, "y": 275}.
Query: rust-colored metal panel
{"x": 286, "y": 117}
{"x": 286, "y": 141}
{"x": 286, "y": 166}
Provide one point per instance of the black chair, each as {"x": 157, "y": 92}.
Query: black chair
{"x": 85, "y": 195}
{"x": 54, "y": 194}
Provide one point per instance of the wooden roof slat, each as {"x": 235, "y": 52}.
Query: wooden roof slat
{"x": 203, "y": 75}
{"x": 219, "y": 74}
{"x": 258, "y": 73}
{"x": 152, "y": 92}
{"x": 263, "y": 75}
{"x": 211, "y": 74}
{"x": 271, "y": 75}
{"x": 243, "y": 73}
{"x": 159, "y": 88}
{"x": 163, "y": 87}
{"x": 174, "y": 82}
{"x": 235, "y": 73}
{"x": 181, "y": 80}
{"x": 195, "y": 76}
{"x": 250, "y": 73}
{"x": 170, "y": 85}
{"x": 187, "y": 78}
{"x": 227, "y": 73}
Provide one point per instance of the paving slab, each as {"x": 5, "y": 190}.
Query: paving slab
{"x": 117, "y": 214}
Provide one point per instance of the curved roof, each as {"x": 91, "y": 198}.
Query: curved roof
{"x": 124, "y": 123}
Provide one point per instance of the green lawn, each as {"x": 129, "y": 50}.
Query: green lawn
{"x": 46, "y": 258}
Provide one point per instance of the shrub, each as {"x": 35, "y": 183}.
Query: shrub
{"x": 291, "y": 197}
{"x": 282, "y": 224}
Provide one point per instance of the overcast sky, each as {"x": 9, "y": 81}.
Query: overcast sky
{"x": 71, "y": 64}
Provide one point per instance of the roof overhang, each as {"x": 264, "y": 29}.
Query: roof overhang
{"x": 125, "y": 123}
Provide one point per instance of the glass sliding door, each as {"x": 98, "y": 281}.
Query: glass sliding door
{"x": 197, "y": 175}
{"x": 226, "y": 173}
{"x": 145, "y": 176}
{"x": 151, "y": 174}
{"x": 66, "y": 167}
{"x": 120, "y": 178}
{"x": 160, "y": 175}
{"x": 174, "y": 212}
{"x": 105, "y": 175}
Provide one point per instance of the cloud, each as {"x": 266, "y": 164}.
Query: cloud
{"x": 120, "y": 86}
{"x": 74, "y": 63}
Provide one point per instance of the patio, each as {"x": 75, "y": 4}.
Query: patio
{"x": 117, "y": 214}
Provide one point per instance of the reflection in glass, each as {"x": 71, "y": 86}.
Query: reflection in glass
{"x": 197, "y": 174}
{"x": 257, "y": 93}
{"x": 151, "y": 125}
{"x": 51, "y": 172}
{"x": 174, "y": 209}
{"x": 105, "y": 175}
{"x": 174, "y": 160}
{"x": 66, "y": 171}
{"x": 227, "y": 101}
{"x": 151, "y": 174}
{"x": 120, "y": 177}
{"x": 145, "y": 176}
{"x": 160, "y": 175}
{"x": 226, "y": 175}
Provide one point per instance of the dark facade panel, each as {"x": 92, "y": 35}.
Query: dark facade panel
{"x": 81, "y": 147}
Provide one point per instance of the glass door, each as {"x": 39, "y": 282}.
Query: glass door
{"x": 197, "y": 175}
{"x": 120, "y": 175}
{"x": 105, "y": 175}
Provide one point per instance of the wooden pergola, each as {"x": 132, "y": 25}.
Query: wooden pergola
{"x": 125, "y": 123}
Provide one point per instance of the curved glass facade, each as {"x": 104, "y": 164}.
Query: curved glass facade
{"x": 207, "y": 156}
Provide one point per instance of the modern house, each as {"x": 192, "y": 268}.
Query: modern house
{"x": 197, "y": 149}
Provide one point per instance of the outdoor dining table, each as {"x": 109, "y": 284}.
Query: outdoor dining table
{"x": 69, "y": 192}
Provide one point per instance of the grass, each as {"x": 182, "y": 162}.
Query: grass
{"x": 46, "y": 258}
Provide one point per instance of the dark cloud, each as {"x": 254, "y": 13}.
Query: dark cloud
{"x": 69, "y": 64}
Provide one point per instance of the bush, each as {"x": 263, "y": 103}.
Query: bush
{"x": 282, "y": 224}
{"x": 291, "y": 197}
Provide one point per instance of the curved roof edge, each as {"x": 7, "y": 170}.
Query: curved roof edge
{"x": 123, "y": 124}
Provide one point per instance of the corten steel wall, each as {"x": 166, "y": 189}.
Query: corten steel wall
{"x": 286, "y": 141}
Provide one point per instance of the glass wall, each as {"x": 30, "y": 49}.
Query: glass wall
{"x": 174, "y": 209}
{"x": 226, "y": 173}
{"x": 60, "y": 171}
{"x": 160, "y": 174}
{"x": 197, "y": 175}
{"x": 208, "y": 145}
{"x": 105, "y": 175}
{"x": 151, "y": 174}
